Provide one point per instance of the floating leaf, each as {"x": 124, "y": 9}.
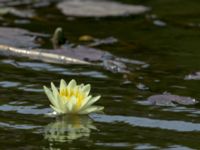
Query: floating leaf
{"x": 16, "y": 12}
{"x": 167, "y": 99}
{"x": 18, "y": 37}
{"x": 99, "y": 8}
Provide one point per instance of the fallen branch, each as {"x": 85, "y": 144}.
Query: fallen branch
{"x": 42, "y": 55}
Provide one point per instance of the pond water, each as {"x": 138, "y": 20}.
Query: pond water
{"x": 166, "y": 38}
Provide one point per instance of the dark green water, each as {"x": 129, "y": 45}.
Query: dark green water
{"x": 171, "y": 50}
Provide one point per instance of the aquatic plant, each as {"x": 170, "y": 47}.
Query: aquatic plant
{"x": 72, "y": 98}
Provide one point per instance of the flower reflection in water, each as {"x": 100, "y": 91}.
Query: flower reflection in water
{"x": 69, "y": 128}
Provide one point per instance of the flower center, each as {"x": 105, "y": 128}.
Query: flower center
{"x": 69, "y": 93}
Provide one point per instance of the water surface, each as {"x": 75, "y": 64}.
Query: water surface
{"x": 166, "y": 38}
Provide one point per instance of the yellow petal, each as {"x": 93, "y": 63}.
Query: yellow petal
{"x": 63, "y": 85}
{"x": 50, "y": 96}
{"x": 72, "y": 84}
{"x": 91, "y": 109}
{"x": 61, "y": 105}
{"x": 55, "y": 109}
{"x": 86, "y": 89}
{"x": 54, "y": 89}
{"x": 71, "y": 103}
{"x": 85, "y": 101}
{"x": 92, "y": 101}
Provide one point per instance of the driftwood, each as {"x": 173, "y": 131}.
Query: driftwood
{"x": 22, "y": 43}
{"x": 79, "y": 55}
{"x": 42, "y": 55}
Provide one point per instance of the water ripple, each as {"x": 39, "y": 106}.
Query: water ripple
{"x": 40, "y": 66}
{"x": 181, "y": 126}
{"x": 34, "y": 110}
{"x": 17, "y": 126}
{"x": 8, "y": 84}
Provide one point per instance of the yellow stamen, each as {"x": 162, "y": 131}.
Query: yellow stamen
{"x": 68, "y": 93}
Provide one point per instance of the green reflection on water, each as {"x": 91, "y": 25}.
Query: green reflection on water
{"x": 69, "y": 128}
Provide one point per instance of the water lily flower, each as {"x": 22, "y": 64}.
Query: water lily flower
{"x": 72, "y": 98}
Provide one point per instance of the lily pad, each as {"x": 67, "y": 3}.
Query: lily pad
{"x": 97, "y": 56}
{"x": 167, "y": 99}
{"x": 33, "y": 3}
{"x": 193, "y": 76}
{"x": 78, "y": 55}
{"x": 83, "y": 53}
{"x": 99, "y": 8}
{"x": 18, "y": 37}
{"x": 17, "y": 43}
{"x": 16, "y": 12}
